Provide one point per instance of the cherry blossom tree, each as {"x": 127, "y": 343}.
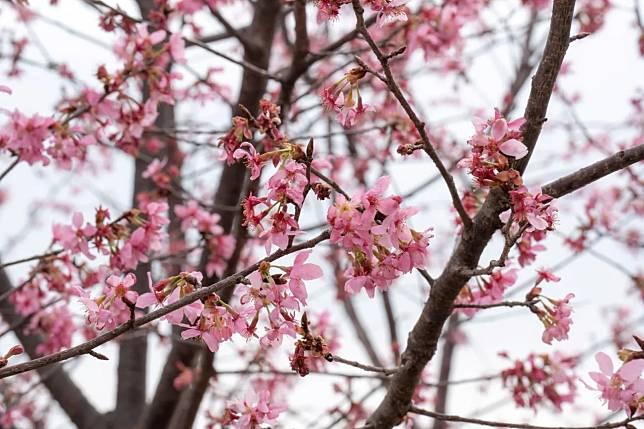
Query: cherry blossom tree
{"x": 345, "y": 213}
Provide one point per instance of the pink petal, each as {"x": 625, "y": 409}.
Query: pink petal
{"x": 537, "y": 222}
{"x": 157, "y": 37}
{"x": 146, "y": 300}
{"x": 515, "y": 148}
{"x": 599, "y": 378}
{"x": 301, "y": 257}
{"x": 190, "y": 333}
{"x": 210, "y": 341}
{"x": 77, "y": 220}
{"x": 631, "y": 370}
{"x": 499, "y": 129}
{"x": 5, "y": 89}
{"x": 310, "y": 272}
{"x": 505, "y": 216}
{"x": 516, "y": 124}
{"x": 605, "y": 363}
{"x": 298, "y": 290}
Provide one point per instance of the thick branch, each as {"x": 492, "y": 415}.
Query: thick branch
{"x": 593, "y": 172}
{"x": 447, "y": 356}
{"x": 258, "y": 36}
{"x": 201, "y": 293}
{"x": 544, "y": 81}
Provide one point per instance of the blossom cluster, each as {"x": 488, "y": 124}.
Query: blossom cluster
{"x": 344, "y": 98}
{"x": 495, "y": 145}
{"x": 127, "y": 241}
{"x": 266, "y": 123}
{"x": 115, "y": 305}
{"x": 42, "y": 297}
{"x": 553, "y": 313}
{"x": 212, "y": 320}
{"x": 274, "y": 216}
{"x": 488, "y": 290}
{"x": 387, "y": 11}
{"x": 96, "y": 116}
{"x": 495, "y": 141}
{"x": 436, "y": 30}
{"x": 373, "y": 229}
{"x": 18, "y": 409}
{"x": 219, "y": 246}
{"x": 40, "y": 139}
{"x": 622, "y": 388}
{"x": 256, "y": 410}
{"x": 541, "y": 378}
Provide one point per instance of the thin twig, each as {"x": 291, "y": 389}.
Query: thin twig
{"x": 370, "y": 368}
{"x": 418, "y": 124}
{"x": 453, "y": 418}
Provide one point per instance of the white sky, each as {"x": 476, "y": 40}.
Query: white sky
{"x": 607, "y": 71}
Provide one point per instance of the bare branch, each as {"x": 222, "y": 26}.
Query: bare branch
{"x": 452, "y": 418}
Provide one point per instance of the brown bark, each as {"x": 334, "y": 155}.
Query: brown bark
{"x": 447, "y": 356}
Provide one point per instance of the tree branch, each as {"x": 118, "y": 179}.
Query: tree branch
{"x": 391, "y": 83}
{"x": 593, "y": 172}
{"x": 452, "y": 418}
{"x": 61, "y": 387}
{"x": 423, "y": 338}
{"x": 157, "y": 314}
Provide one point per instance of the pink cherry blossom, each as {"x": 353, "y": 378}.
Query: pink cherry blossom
{"x": 254, "y": 411}
{"x": 557, "y": 319}
{"x": 113, "y": 306}
{"x": 541, "y": 378}
{"x": 26, "y": 136}
{"x": 253, "y": 160}
{"x": 364, "y": 229}
{"x": 75, "y": 237}
{"x": 621, "y": 389}
{"x": 177, "y": 47}
{"x": 301, "y": 271}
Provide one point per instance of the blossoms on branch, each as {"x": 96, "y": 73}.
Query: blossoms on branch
{"x": 274, "y": 217}
{"x": 257, "y": 410}
{"x": 489, "y": 290}
{"x": 75, "y": 237}
{"x": 344, "y": 98}
{"x": 495, "y": 141}
{"x": 128, "y": 240}
{"x": 621, "y": 389}
{"x": 170, "y": 290}
{"x": 541, "y": 378}
{"x": 213, "y": 321}
{"x": 280, "y": 295}
{"x": 26, "y": 136}
{"x": 374, "y": 231}
{"x": 115, "y": 305}
{"x": 531, "y": 206}
{"x": 555, "y": 314}
{"x": 220, "y": 246}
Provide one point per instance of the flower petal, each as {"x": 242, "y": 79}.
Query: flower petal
{"x": 515, "y": 148}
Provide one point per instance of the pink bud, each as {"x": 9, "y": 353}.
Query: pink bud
{"x": 14, "y": 351}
